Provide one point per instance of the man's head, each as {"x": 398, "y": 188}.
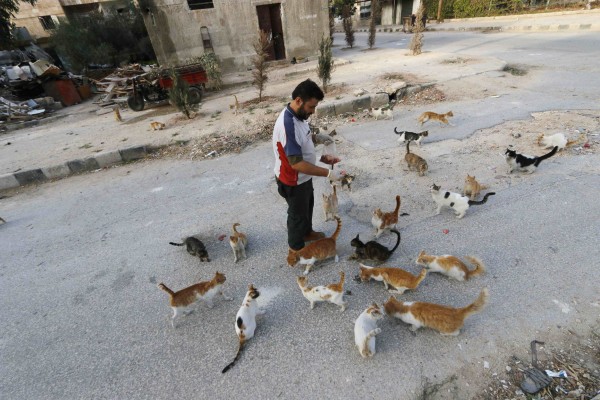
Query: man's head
{"x": 305, "y": 98}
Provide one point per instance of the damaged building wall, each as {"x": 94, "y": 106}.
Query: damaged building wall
{"x": 40, "y": 18}
{"x": 175, "y": 30}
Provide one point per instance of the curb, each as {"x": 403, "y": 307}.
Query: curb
{"x": 33, "y": 122}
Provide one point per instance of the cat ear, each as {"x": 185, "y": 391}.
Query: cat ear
{"x": 357, "y": 237}
{"x": 421, "y": 253}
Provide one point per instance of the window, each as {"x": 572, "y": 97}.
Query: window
{"x": 47, "y": 22}
{"x": 200, "y": 4}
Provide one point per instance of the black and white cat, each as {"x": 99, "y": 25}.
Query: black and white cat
{"x": 460, "y": 204}
{"x": 523, "y": 162}
{"x": 411, "y": 136}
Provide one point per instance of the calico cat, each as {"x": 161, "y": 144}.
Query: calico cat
{"x": 451, "y": 266}
{"x": 460, "y": 204}
{"x": 347, "y": 180}
{"x": 522, "y": 162}
{"x": 245, "y": 322}
{"x": 195, "y": 247}
{"x": 387, "y": 113}
{"x": 365, "y": 330}
{"x": 157, "y": 126}
{"x": 399, "y": 279}
{"x": 444, "y": 319}
{"x": 372, "y": 250}
{"x": 320, "y": 249}
{"x": 472, "y": 187}
{"x": 204, "y": 291}
{"x": 415, "y": 162}
{"x": 406, "y": 136}
{"x": 330, "y": 205}
{"x": 117, "y": 114}
{"x": 235, "y": 106}
{"x": 238, "y": 242}
{"x": 333, "y": 293}
{"x": 429, "y": 115}
{"x": 382, "y": 221}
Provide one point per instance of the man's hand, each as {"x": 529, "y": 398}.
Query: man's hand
{"x": 334, "y": 175}
{"x": 329, "y": 159}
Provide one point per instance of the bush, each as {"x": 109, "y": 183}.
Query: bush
{"x": 261, "y": 47}
{"x": 179, "y": 95}
{"x": 347, "y": 22}
{"x": 325, "y": 63}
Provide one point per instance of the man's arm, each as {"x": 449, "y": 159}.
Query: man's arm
{"x": 309, "y": 169}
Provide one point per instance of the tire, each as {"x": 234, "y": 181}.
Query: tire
{"x": 195, "y": 94}
{"x": 136, "y": 102}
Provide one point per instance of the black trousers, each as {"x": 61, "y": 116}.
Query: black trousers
{"x": 301, "y": 201}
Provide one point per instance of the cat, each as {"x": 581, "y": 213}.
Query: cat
{"x": 2, "y": 221}
{"x": 523, "y": 162}
{"x": 460, "y": 204}
{"x": 235, "y": 106}
{"x": 238, "y": 242}
{"x": 320, "y": 249}
{"x": 415, "y": 162}
{"x": 372, "y": 250}
{"x": 399, "y": 279}
{"x": 195, "y": 247}
{"x": 429, "y": 115}
{"x": 444, "y": 319}
{"x": 204, "y": 291}
{"x": 333, "y": 293}
{"x": 472, "y": 187}
{"x": 382, "y": 221}
{"x": 406, "y": 136}
{"x": 386, "y": 113}
{"x": 365, "y": 330}
{"x": 157, "y": 126}
{"x": 558, "y": 139}
{"x": 245, "y": 322}
{"x": 451, "y": 266}
{"x": 117, "y": 114}
{"x": 330, "y": 205}
{"x": 347, "y": 180}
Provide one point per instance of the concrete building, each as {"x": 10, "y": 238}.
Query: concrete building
{"x": 183, "y": 29}
{"x": 392, "y": 11}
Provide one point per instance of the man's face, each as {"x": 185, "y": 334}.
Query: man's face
{"x": 306, "y": 108}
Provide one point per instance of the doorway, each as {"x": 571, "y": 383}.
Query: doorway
{"x": 269, "y": 20}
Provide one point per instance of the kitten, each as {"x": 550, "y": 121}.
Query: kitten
{"x": 522, "y": 162}
{"x": 386, "y": 113}
{"x": 372, "y": 250}
{"x": 415, "y": 162}
{"x": 245, "y": 322}
{"x": 347, "y": 180}
{"x": 399, "y": 279}
{"x": 117, "y": 114}
{"x": 320, "y": 249}
{"x": 451, "y": 266}
{"x": 365, "y": 330}
{"x": 429, "y": 115}
{"x": 157, "y": 126}
{"x": 382, "y": 221}
{"x": 238, "y": 243}
{"x": 204, "y": 291}
{"x": 333, "y": 293}
{"x": 406, "y": 136}
{"x": 472, "y": 187}
{"x": 444, "y": 319}
{"x": 330, "y": 205}
{"x": 460, "y": 204}
{"x": 195, "y": 247}
{"x": 235, "y": 106}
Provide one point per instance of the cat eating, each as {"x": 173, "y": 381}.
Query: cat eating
{"x": 399, "y": 279}
{"x": 429, "y": 115}
{"x": 472, "y": 187}
{"x": 523, "y": 162}
{"x": 330, "y": 205}
{"x": 444, "y": 319}
{"x": 195, "y": 247}
{"x": 204, "y": 291}
{"x": 406, "y": 136}
{"x": 387, "y": 113}
{"x": 157, "y": 126}
{"x": 365, "y": 330}
{"x": 415, "y": 162}
{"x": 372, "y": 250}
{"x": 320, "y": 249}
{"x": 460, "y": 204}
{"x": 238, "y": 242}
{"x": 451, "y": 266}
{"x": 385, "y": 220}
{"x": 333, "y": 293}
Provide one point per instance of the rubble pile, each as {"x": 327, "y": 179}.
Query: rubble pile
{"x": 118, "y": 85}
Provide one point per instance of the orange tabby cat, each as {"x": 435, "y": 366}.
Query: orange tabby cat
{"x": 444, "y": 319}
{"x": 429, "y": 115}
{"x": 472, "y": 187}
{"x": 157, "y": 126}
{"x": 203, "y": 290}
{"x": 385, "y": 220}
{"x": 318, "y": 250}
{"x": 397, "y": 278}
{"x": 451, "y": 266}
{"x": 238, "y": 242}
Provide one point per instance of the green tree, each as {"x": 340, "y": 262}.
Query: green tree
{"x": 375, "y": 11}
{"x": 325, "y": 63}
{"x": 179, "y": 94}
{"x": 348, "y": 28}
{"x": 8, "y": 9}
{"x": 261, "y": 47}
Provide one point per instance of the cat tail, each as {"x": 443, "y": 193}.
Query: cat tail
{"x": 421, "y": 276}
{"x": 237, "y": 356}
{"x": 164, "y": 287}
{"x": 542, "y": 158}
{"x": 397, "y": 205}
{"x": 338, "y": 287}
{"x": 478, "y": 203}
{"x": 477, "y": 305}
{"x": 396, "y": 132}
{"x": 177, "y": 244}
{"x": 397, "y": 242}
{"x": 573, "y": 142}
{"x": 337, "y": 230}
{"x": 479, "y": 267}
{"x": 234, "y": 226}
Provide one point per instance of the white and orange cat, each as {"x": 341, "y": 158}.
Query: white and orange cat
{"x": 365, "y": 330}
{"x": 157, "y": 126}
{"x": 330, "y": 205}
{"x": 245, "y": 322}
{"x": 204, "y": 291}
{"x": 399, "y": 279}
{"x": 235, "y": 106}
{"x": 472, "y": 187}
{"x": 451, "y": 266}
{"x": 385, "y": 220}
{"x": 333, "y": 293}
{"x": 238, "y": 242}
{"x": 430, "y": 115}
{"x": 318, "y": 250}
{"x": 444, "y": 319}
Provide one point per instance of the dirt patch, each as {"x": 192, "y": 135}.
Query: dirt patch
{"x": 515, "y": 69}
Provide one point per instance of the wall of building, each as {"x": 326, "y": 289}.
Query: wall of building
{"x": 28, "y": 17}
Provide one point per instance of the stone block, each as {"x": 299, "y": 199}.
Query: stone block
{"x": 379, "y": 100}
{"x": 85, "y": 165}
{"x": 133, "y": 153}
{"x": 57, "y": 171}
{"x": 8, "y": 181}
{"x": 108, "y": 158}
{"x": 324, "y": 110}
{"x": 344, "y": 106}
{"x": 362, "y": 102}
{"x": 30, "y": 176}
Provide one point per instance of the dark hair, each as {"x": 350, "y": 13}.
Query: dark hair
{"x": 307, "y": 90}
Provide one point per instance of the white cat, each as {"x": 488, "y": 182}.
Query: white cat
{"x": 558, "y": 139}
{"x": 365, "y": 330}
{"x": 386, "y": 113}
{"x": 333, "y": 293}
{"x": 460, "y": 204}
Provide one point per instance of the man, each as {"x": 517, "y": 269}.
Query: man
{"x": 295, "y": 163}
